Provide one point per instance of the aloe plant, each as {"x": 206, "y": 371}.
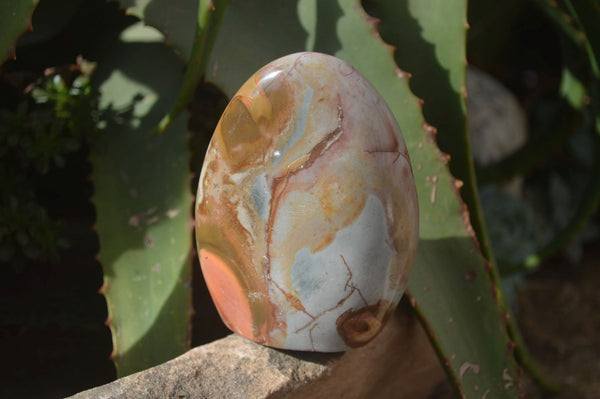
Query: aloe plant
{"x": 147, "y": 76}
{"x": 19, "y": 20}
{"x": 142, "y": 199}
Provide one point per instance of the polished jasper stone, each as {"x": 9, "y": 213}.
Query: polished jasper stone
{"x": 306, "y": 214}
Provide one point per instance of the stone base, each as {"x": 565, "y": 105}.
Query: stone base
{"x": 399, "y": 363}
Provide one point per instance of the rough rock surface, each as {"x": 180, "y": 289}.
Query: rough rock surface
{"x": 497, "y": 123}
{"x": 399, "y": 363}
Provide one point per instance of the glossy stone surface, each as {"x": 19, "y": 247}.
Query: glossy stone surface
{"x": 306, "y": 214}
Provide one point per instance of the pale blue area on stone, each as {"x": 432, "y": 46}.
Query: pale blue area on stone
{"x": 261, "y": 195}
{"x": 360, "y": 255}
{"x": 306, "y": 276}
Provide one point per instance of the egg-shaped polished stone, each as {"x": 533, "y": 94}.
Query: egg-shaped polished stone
{"x": 306, "y": 214}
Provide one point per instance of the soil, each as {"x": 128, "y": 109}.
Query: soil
{"x": 559, "y": 314}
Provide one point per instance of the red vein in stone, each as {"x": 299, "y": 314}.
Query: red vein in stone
{"x": 398, "y": 154}
{"x": 353, "y": 289}
{"x": 312, "y": 344}
{"x": 295, "y": 302}
{"x": 352, "y": 286}
{"x": 395, "y": 148}
{"x": 295, "y": 64}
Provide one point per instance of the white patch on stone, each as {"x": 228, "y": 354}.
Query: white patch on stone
{"x": 200, "y": 195}
{"x": 237, "y": 178}
{"x": 270, "y": 76}
{"x": 244, "y": 218}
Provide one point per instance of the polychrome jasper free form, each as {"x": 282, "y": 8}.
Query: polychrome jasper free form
{"x": 307, "y": 215}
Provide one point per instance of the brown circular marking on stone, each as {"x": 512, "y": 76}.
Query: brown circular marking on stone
{"x": 359, "y": 327}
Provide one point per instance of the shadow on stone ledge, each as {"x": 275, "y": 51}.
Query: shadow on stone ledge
{"x": 399, "y": 363}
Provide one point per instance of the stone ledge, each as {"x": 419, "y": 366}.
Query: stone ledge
{"x": 399, "y": 363}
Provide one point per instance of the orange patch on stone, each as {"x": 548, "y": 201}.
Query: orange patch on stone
{"x": 229, "y": 296}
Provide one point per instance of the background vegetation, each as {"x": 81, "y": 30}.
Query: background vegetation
{"x": 104, "y": 119}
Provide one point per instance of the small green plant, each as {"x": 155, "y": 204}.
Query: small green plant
{"x": 54, "y": 118}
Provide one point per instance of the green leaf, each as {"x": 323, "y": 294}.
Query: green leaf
{"x": 50, "y": 18}
{"x": 587, "y": 15}
{"x": 175, "y": 19}
{"x": 16, "y": 19}
{"x": 430, "y": 39}
{"x": 142, "y": 199}
{"x": 252, "y": 36}
{"x": 572, "y": 89}
{"x": 210, "y": 16}
{"x": 450, "y": 285}
{"x": 191, "y": 28}
{"x": 435, "y": 30}
{"x": 562, "y": 20}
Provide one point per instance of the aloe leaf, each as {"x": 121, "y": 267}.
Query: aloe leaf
{"x": 210, "y": 16}
{"x": 450, "y": 274}
{"x": 50, "y": 18}
{"x": 450, "y": 286}
{"x": 191, "y": 28}
{"x": 175, "y": 19}
{"x": 587, "y": 15}
{"x": 16, "y": 20}
{"x": 436, "y": 31}
{"x": 142, "y": 199}
{"x": 562, "y": 19}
